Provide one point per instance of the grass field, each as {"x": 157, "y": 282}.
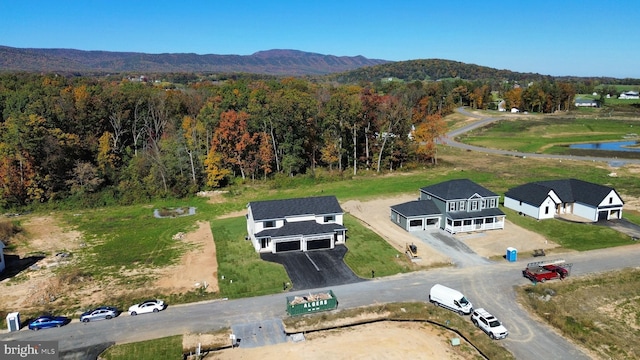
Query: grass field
{"x": 601, "y": 313}
{"x": 550, "y": 135}
{"x": 164, "y": 348}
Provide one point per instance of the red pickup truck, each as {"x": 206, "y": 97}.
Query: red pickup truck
{"x": 543, "y": 273}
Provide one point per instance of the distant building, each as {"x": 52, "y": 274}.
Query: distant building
{"x": 629, "y": 95}
{"x": 587, "y": 103}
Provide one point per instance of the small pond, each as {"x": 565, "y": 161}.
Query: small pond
{"x": 609, "y": 146}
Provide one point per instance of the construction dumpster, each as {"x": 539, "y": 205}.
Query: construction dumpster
{"x": 310, "y": 303}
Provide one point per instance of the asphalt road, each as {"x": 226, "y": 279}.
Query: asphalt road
{"x": 489, "y": 286}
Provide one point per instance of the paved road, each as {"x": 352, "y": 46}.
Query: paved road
{"x": 449, "y": 139}
{"x": 489, "y": 286}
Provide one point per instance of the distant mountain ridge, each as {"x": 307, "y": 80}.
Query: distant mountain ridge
{"x": 271, "y": 62}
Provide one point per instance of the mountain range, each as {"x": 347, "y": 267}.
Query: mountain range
{"x": 270, "y": 62}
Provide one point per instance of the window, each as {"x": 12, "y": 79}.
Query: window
{"x": 610, "y": 200}
{"x": 329, "y": 218}
{"x": 546, "y": 210}
{"x": 492, "y": 203}
{"x": 483, "y": 204}
{"x": 474, "y": 205}
{"x": 264, "y": 243}
{"x": 269, "y": 224}
{"x": 452, "y": 206}
{"x": 461, "y": 206}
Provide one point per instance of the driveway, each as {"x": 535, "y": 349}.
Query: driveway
{"x": 622, "y": 226}
{"x": 460, "y": 254}
{"x": 315, "y": 269}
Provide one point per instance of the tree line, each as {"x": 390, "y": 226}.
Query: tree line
{"x": 102, "y": 140}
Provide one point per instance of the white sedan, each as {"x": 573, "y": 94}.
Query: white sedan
{"x": 147, "y": 306}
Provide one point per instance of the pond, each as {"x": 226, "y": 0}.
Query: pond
{"x": 609, "y": 146}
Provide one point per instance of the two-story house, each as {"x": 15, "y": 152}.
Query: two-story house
{"x": 300, "y": 224}
{"x": 455, "y": 206}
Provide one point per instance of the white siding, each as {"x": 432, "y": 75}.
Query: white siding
{"x": 611, "y": 199}
{"x": 547, "y": 210}
{"x": 585, "y": 211}
{"x": 300, "y": 218}
{"x": 521, "y": 207}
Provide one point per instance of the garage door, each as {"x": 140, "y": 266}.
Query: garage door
{"x": 288, "y": 246}
{"x": 602, "y": 215}
{"x": 433, "y": 223}
{"x": 319, "y": 244}
{"x": 415, "y": 224}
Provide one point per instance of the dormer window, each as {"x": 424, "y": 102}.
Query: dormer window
{"x": 329, "y": 218}
{"x": 269, "y": 224}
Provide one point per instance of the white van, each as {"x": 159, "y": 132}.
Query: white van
{"x": 449, "y": 298}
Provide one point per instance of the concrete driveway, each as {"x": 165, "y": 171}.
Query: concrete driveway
{"x": 460, "y": 254}
{"x": 315, "y": 269}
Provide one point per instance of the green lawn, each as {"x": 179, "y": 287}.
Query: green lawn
{"x": 549, "y": 135}
{"x": 575, "y": 236}
{"x": 245, "y": 274}
{"x": 163, "y": 348}
{"x": 368, "y": 251}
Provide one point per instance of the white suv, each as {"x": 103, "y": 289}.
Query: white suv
{"x": 489, "y": 324}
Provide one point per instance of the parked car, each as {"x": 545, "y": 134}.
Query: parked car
{"x": 99, "y": 313}
{"x": 48, "y": 321}
{"x": 489, "y": 324}
{"x": 147, "y": 306}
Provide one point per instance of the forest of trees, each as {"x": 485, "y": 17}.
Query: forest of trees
{"x": 98, "y": 140}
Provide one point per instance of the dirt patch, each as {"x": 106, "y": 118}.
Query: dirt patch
{"x": 375, "y": 214}
{"x": 198, "y": 268}
{"x": 41, "y": 286}
{"x": 380, "y": 340}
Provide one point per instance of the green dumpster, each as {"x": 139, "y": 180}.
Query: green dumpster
{"x": 312, "y": 302}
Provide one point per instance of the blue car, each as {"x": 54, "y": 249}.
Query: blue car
{"x": 48, "y": 321}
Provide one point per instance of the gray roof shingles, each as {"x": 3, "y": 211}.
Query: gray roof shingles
{"x": 457, "y": 189}
{"x": 416, "y": 208}
{"x": 280, "y": 209}
{"x": 301, "y": 228}
{"x": 568, "y": 190}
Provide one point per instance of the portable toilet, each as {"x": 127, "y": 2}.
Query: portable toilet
{"x": 13, "y": 321}
{"x": 512, "y": 254}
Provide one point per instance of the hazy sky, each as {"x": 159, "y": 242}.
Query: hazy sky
{"x": 552, "y": 37}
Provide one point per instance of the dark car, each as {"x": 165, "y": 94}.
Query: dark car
{"x": 48, "y": 321}
{"x": 100, "y": 313}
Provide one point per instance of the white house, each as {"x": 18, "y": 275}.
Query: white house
{"x": 300, "y": 224}
{"x": 629, "y": 95}
{"x": 546, "y": 199}
{"x": 586, "y": 103}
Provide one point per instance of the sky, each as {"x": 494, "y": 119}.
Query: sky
{"x": 550, "y": 37}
